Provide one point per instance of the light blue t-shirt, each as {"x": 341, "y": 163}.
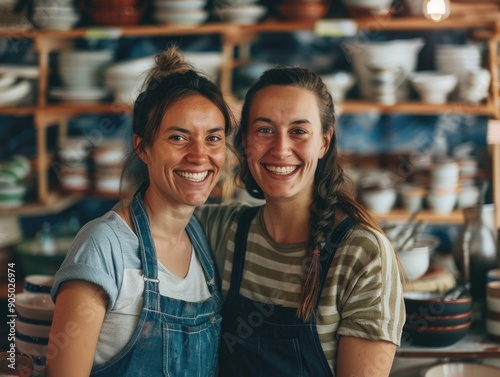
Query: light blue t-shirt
{"x": 106, "y": 252}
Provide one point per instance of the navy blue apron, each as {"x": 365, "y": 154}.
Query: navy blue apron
{"x": 173, "y": 337}
{"x": 260, "y": 339}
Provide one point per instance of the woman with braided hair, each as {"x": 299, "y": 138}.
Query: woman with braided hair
{"x": 137, "y": 294}
{"x": 311, "y": 285}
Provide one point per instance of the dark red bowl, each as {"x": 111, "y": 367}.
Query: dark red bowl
{"x": 441, "y": 336}
{"x": 413, "y": 319}
{"x": 433, "y": 304}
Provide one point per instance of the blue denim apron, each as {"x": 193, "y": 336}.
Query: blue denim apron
{"x": 173, "y": 337}
{"x": 260, "y": 339}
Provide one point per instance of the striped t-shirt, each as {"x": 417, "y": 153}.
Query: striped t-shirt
{"x": 362, "y": 296}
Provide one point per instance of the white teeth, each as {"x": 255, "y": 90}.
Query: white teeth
{"x": 195, "y": 177}
{"x": 281, "y": 170}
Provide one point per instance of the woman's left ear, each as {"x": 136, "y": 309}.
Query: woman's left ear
{"x": 327, "y": 138}
{"x": 141, "y": 153}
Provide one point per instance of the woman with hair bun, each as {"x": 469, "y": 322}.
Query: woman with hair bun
{"x": 137, "y": 293}
{"x": 311, "y": 285}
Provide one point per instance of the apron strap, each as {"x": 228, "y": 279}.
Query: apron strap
{"x": 146, "y": 245}
{"x": 203, "y": 251}
{"x": 240, "y": 242}
{"x": 328, "y": 252}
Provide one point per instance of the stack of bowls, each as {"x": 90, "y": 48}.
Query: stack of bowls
{"x": 458, "y": 60}
{"x": 433, "y": 321}
{"x": 81, "y": 73}
{"x": 35, "y": 309}
{"x": 493, "y": 304}
{"x": 72, "y": 171}
{"x": 180, "y": 12}
{"x": 243, "y": 12}
{"x": 364, "y": 8}
{"x": 55, "y": 14}
{"x": 107, "y": 160}
{"x": 443, "y": 191}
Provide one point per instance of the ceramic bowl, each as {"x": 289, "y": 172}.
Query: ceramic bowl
{"x": 434, "y": 304}
{"x": 379, "y": 201}
{"x": 439, "y": 336}
{"x": 442, "y": 203}
{"x": 38, "y": 283}
{"x": 243, "y": 14}
{"x": 462, "y": 370}
{"x": 416, "y": 259}
{"x": 414, "y": 319}
{"x": 181, "y": 16}
{"x": 39, "y": 329}
{"x": 207, "y": 62}
{"x": 339, "y": 84}
{"x": 175, "y": 5}
{"x": 37, "y": 306}
{"x": 433, "y": 87}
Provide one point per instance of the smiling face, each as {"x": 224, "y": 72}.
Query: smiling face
{"x": 284, "y": 142}
{"x": 187, "y": 156}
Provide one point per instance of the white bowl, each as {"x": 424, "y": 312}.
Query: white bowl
{"x": 179, "y": 4}
{"x": 416, "y": 259}
{"x": 442, "y": 204}
{"x": 7, "y": 80}
{"x": 16, "y": 94}
{"x": 243, "y": 14}
{"x": 37, "y": 306}
{"x": 12, "y": 196}
{"x": 462, "y": 370}
{"x": 181, "y": 17}
{"x": 433, "y": 86}
{"x": 38, "y": 284}
{"x": 339, "y": 84}
{"x": 372, "y": 4}
{"x": 33, "y": 329}
{"x": 380, "y": 201}
{"x": 468, "y": 196}
{"x": 493, "y": 327}
{"x": 134, "y": 69}
{"x": 206, "y": 62}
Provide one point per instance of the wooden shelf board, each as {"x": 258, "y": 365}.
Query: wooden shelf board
{"x": 397, "y": 215}
{"x": 18, "y": 110}
{"x": 56, "y": 204}
{"x": 360, "y": 106}
{"x": 75, "y": 108}
{"x": 137, "y": 31}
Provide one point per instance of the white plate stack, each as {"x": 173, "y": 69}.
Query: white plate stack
{"x": 81, "y": 73}
{"x": 460, "y": 60}
{"x": 180, "y": 12}
{"x": 108, "y": 159}
{"x": 72, "y": 169}
{"x": 242, "y": 12}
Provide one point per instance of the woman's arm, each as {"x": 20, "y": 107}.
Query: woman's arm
{"x": 78, "y": 316}
{"x": 359, "y": 357}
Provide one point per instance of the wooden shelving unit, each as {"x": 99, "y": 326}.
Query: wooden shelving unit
{"x": 235, "y": 46}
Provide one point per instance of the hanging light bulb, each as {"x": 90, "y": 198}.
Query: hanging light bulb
{"x": 436, "y": 10}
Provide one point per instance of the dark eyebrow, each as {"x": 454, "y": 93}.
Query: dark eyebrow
{"x": 185, "y": 131}
{"x": 300, "y": 121}
{"x": 263, "y": 119}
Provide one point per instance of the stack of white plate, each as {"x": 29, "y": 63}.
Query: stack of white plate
{"x": 208, "y": 63}
{"x": 180, "y": 12}
{"x": 81, "y": 73}
{"x": 108, "y": 159}
{"x": 16, "y": 85}
{"x": 72, "y": 170}
{"x": 458, "y": 60}
{"x": 125, "y": 79}
{"x": 55, "y": 14}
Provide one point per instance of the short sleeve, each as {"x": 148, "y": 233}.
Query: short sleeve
{"x": 95, "y": 256}
{"x": 372, "y": 305}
